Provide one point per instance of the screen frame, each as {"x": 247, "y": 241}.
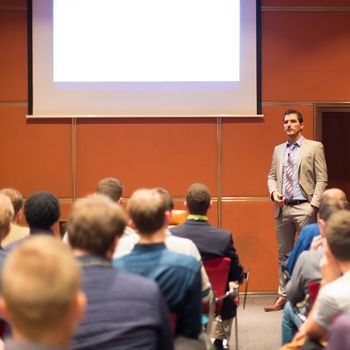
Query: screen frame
{"x": 30, "y": 77}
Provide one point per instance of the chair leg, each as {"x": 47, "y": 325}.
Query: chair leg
{"x": 236, "y": 332}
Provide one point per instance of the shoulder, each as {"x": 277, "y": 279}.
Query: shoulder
{"x": 312, "y": 144}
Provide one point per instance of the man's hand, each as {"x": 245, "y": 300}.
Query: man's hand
{"x": 328, "y": 265}
{"x": 278, "y": 199}
{"x": 316, "y": 242}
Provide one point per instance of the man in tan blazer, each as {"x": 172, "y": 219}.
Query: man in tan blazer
{"x": 296, "y": 181}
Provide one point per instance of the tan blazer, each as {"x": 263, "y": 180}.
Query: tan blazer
{"x": 312, "y": 171}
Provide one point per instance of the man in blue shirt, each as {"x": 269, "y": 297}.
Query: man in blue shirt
{"x": 177, "y": 275}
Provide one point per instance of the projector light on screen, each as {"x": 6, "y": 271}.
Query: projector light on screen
{"x": 146, "y": 40}
{"x": 143, "y": 58}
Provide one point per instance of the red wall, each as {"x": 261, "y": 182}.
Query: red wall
{"x": 305, "y": 59}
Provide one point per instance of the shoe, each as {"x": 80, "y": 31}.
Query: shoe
{"x": 218, "y": 344}
{"x": 277, "y": 305}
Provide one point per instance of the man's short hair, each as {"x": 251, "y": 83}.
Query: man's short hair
{"x": 42, "y": 210}
{"x": 294, "y": 111}
{"x": 198, "y": 199}
{"x": 337, "y": 233}
{"x": 167, "y": 196}
{"x": 40, "y": 282}
{"x": 94, "y": 223}
{"x": 330, "y": 206}
{"x": 146, "y": 208}
{"x": 6, "y": 213}
{"x": 111, "y": 187}
{"x": 16, "y": 198}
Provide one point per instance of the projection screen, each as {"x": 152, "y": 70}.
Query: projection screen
{"x": 153, "y": 58}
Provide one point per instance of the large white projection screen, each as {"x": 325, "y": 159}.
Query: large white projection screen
{"x": 144, "y": 58}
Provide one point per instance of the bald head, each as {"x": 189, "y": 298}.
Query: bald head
{"x": 333, "y": 194}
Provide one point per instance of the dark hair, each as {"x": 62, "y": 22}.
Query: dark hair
{"x": 337, "y": 234}
{"x": 198, "y": 199}
{"x": 294, "y": 111}
{"x": 111, "y": 187}
{"x": 42, "y": 210}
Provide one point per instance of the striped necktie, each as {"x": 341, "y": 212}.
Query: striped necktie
{"x": 290, "y": 172}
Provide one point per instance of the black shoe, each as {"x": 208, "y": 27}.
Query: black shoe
{"x": 218, "y": 344}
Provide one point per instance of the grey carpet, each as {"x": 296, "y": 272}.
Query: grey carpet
{"x": 257, "y": 329}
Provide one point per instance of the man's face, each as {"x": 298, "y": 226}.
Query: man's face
{"x": 291, "y": 124}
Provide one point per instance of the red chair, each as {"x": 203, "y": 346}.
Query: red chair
{"x": 218, "y": 270}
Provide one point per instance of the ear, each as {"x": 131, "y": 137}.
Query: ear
{"x": 210, "y": 204}
{"x": 132, "y": 225}
{"x": 19, "y": 216}
{"x": 185, "y": 205}
{"x": 6, "y": 231}
{"x": 322, "y": 225}
{"x": 3, "y": 310}
{"x": 79, "y": 306}
{"x": 113, "y": 247}
{"x": 167, "y": 217}
{"x": 119, "y": 201}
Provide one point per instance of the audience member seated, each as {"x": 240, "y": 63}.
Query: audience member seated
{"x": 41, "y": 296}
{"x": 307, "y": 269}
{"x": 333, "y": 298}
{"x": 176, "y": 244}
{"x": 124, "y": 311}
{"x": 339, "y": 334}
{"x": 6, "y": 216}
{"x": 309, "y": 232}
{"x": 212, "y": 243}
{"x": 177, "y": 275}
{"x": 42, "y": 211}
{"x": 113, "y": 189}
{"x": 17, "y": 232}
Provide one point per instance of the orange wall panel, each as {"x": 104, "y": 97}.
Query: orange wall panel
{"x": 35, "y": 155}
{"x": 296, "y": 3}
{"x": 167, "y": 153}
{"x": 305, "y": 56}
{"x": 13, "y": 58}
{"x": 252, "y": 226}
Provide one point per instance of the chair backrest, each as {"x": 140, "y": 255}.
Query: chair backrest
{"x": 178, "y": 217}
{"x": 218, "y": 270}
{"x": 313, "y": 287}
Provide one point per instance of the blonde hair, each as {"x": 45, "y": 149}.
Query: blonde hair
{"x": 6, "y": 213}
{"x": 94, "y": 223}
{"x": 15, "y": 197}
{"x": 40, "y": 283}
{"x": 146, "y": 208}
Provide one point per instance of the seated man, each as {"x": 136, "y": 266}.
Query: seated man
{"x": 42, "y": 211}
{"x": 212, "y": 243}
{"x": 176, "y": 244}
{"x": 177, "y": 275}
{"x": 6, "y": 216}
{"x": 124, "y": 311}
{"x": 306, "y": 270}
{"x": 41, "y": 296}
{"x": 333, "y": 298}
{"x": 17, "y": 232}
